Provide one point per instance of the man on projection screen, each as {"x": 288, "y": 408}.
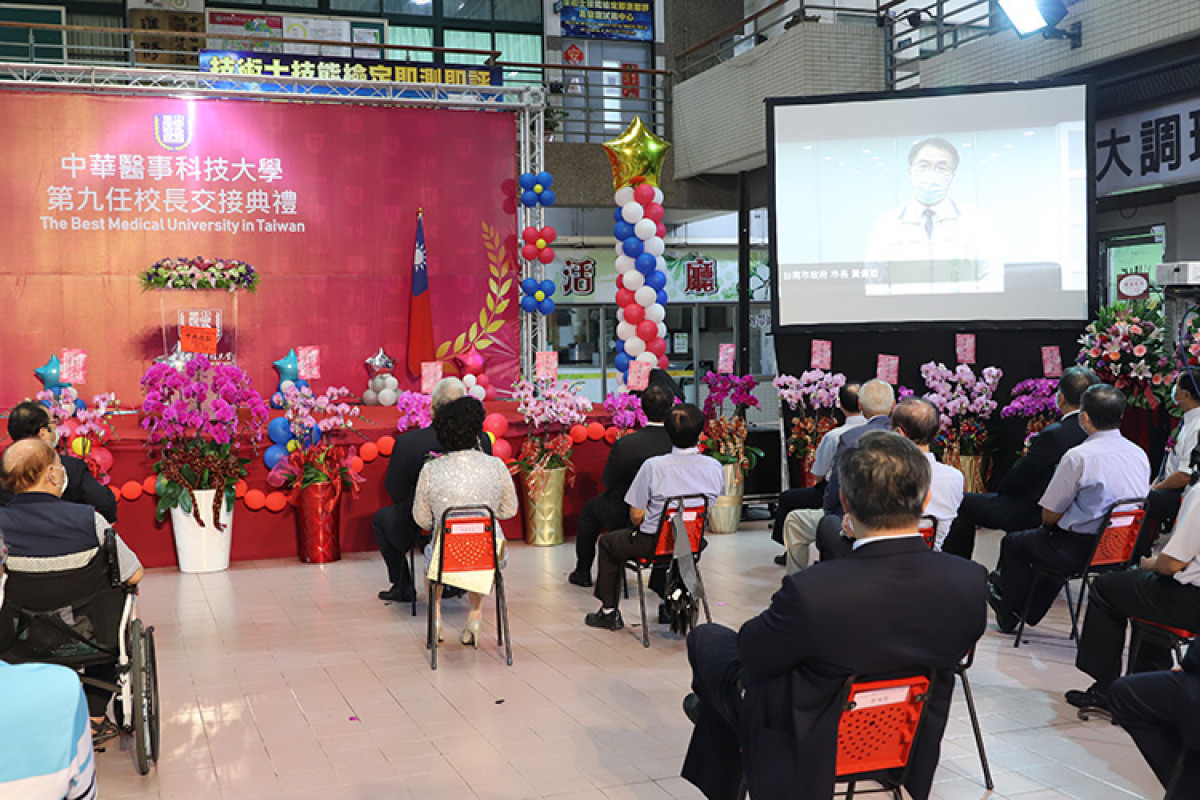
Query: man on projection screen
{"x": 933, "y": 244}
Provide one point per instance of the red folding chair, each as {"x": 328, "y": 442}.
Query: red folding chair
{"x": 1114, "y": 550}
{"x": 466, "y": 542}
{"x": 928, "y": 529}
{"x": 879, "y": 725}
{"x": 695, "y": 517}
{"x": 1177, "y": 639}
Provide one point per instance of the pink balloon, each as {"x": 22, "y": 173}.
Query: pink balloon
{"x": 657, "y": 346}
{"x": 661, "y": 230}
{"x": 646, "y": 330}
{"x": 634, "y": 313}
{"x": 482, "y": 379}
{"x": 473, "y": 361}
{"x": 655, "y": 212}
{"x": 644, "y": 194}
{"x": 502, "y": 449}
{"x": 664, "y": 362}
{"x": 491, "y": 392}
{"x": 103, "y": 458}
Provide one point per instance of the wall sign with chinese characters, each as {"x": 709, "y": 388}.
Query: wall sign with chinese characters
{"x": 1154, "y": 146}
{"x": 590, "y": 276}
{"x": 627, "y": 20}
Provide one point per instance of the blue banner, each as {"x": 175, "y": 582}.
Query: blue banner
{"x": 626, "y": 20}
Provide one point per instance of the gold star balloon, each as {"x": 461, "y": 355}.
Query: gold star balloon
{"x": 637, "y": 152}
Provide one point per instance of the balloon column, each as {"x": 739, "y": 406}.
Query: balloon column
{"x": 535, "y": 195}
{"x": 382, "y": 387}
{"x": 636, "y": 157}
{"x": 289, "y": 375}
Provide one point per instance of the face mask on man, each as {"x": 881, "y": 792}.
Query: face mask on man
{"x": 3, "y": 580}
{"x": 66, "y": 479}
{"x": 931, "y": 188}
{"x": 1174, "y": 393}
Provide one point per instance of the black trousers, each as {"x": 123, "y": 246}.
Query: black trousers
{"x": 617, "y": 547}
{"x": 1162, "y": 506}
{"x": 1117, "y": 597}
{"x": 987, "y": 510}
{"x": 396, "y": 537}
{"x": 97, "y": 698}
{"x": 831, "y": 543}
{"x": 1050, "y": 548}
{"x": 713, "y": 762}
{"x": 1147, "y": 707}
{"x": 792, "y": 499}
{"x": 602, "y": 513}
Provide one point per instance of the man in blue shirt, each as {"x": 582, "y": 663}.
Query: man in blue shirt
{"x": 683, "y": 471}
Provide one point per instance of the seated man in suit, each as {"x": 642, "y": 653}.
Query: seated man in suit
{"x": 1014, "y": 504}
{"x": 1175, "y": 474}
{"x": 30, "y": 420}
{"x": 393, "y": 525}
{"x": 770, "y": 691}
{"x": 683, "y": 471}
{"x": 608, "y": 511}
{"x": 822, "y": 465}
{"x": 1165, "y": 589}
{"x": 876, "y": 398}
{"x": 1091, "y": 477}
{"x": 38, "y": 524}
{"x": 44, "y": 731}
{"x": 1161, "y": 711}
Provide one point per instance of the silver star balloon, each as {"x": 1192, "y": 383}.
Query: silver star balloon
{"x": 379, "y": 362}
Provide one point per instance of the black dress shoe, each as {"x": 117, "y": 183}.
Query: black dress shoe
{"x": 580, "y": 579}
{"x": 781, "y": 560}
{"x": 1006, "y": 619}
{"x": 398, "y": 595}
{"x": 1093, "y": 697}
{"x": 611, "y": 621}
{"x": 691, "y": 708}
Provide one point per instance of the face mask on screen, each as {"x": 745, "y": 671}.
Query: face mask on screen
{"x": 929, "y": 189}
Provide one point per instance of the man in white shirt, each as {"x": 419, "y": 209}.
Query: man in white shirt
{"x": 918, "y": 420}
{"x": 1176, "y": 472}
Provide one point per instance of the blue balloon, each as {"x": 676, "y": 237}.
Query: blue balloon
{"x": 632, "y": 246}
{"x": 529, "y": 198}
{"x": 529, "y": 285}
{"x": 621, "y": 362}
{"x": 79, "y": 404}
{"x": 280, "y": 430}
{"x": 547, "y": 287}
{"x": 545, "y": 179}
{"x": 618, "y": 217}
{"x": 546, "y": 306}
{"x": 656, "y": 280}
{"x": 646, "y": 263}
{"x": 274, "y": 454}
{"x": 529, "y": 304}
{"x": 622, "y": 230}
{"x": 277, "y": 400}
{"x": 301, "y": 384}
{"x": 528, "y": 180}
{"x": 312, "y": 437}
{"x": 619, "y": 346}
{"x": 663, "y": 298}
{"x": 548, "y": 197}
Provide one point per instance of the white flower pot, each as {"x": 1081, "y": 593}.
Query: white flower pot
{"x": 202, "y": 548}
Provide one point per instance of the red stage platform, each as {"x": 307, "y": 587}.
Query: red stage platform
{"x": 267, "y": 534}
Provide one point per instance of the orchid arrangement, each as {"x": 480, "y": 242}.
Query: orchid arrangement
{"x": 1035, "y": 400}
{"x": 724, "y": 439}
{"x": 738, "y": 389}
{"x": 315, "y": 420}
{"x": 964, "y": 401}
{"x": 193, "y": 425}
{"x": 626, "y": 411}
{"x": 812, "y": 398}
{"x": 416, "y": 411}
{"x": 82, "y": 430}
{"x": 200, "y": 273}
{"x": 1126, "y": 347}
{"x": 550, "y": 408}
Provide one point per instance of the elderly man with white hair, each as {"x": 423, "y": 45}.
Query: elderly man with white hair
{"x": 393, "y": 525}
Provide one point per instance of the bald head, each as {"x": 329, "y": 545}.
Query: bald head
{"x": 876, "y": 397}
{"x": 26, "y": 467}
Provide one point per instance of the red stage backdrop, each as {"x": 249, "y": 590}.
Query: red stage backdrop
{"x": 322, "y": 200}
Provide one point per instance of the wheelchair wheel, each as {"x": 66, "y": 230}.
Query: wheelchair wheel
{"x": 152, "y": 710}
{"x": 141, "y": 678}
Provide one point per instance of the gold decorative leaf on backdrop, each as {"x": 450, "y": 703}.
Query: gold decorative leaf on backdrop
{"x": 479, "y": 335}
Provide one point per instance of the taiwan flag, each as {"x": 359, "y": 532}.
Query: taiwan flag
{"x": 420, "y": 316}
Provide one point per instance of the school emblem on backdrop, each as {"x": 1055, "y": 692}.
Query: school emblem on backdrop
{"x": 173, "y": 131}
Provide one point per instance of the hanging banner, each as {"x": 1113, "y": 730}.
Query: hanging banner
{"x": 625, "y": 20}
{"x": 1157, "y": 146}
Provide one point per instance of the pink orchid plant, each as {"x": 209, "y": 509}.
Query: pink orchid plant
{"x": 964, "y": 403}
{"x": 626, "y": 411}
{"x": 550, "y": 408}
{"x": 416, "y": 411}
{"x": 83, "y": 429}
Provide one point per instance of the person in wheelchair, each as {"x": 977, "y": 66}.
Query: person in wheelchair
{"x": 44, "y": 731}
{"x": 45, "y": 533}
{"x": 463, "y": 475}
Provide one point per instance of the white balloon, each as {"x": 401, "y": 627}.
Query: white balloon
{"x": 625, "y": 331}
{"x": 648, "y": 357}
{"x": 620, "y": 248}
{"x": 624, "y": 196}
{"x": 387, "y": 397}
{"x": 370, "y": 398}
{"x": 645, "y": 229}
{"x": 285, "y": 385}
{"x": 658, "y": 195}
{"x": 655, "y": 312}
{"x": 378, "y": 383}
{"x": 620, "y": 315}
{"x": 390, "y": 382}
{"x": 646, "y": 296}
{"x": 478, "y": 392}
{"x": 624, "y": 264}
{"x": 662, "y": 331}
{"x": 634, "y": 280}
{"x": 632, "y": 211}
{"x": 468, "y": 380}
{"x": 634, "y": 347}
{"x": 660, "y": 264}
{"x": 654, "y": 246}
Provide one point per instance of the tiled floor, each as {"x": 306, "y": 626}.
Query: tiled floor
{"x": 281, "y": 679}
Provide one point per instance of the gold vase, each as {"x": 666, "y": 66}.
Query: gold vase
{"x": 726, "y": 512}
{"x": 544, "y": 513}
{"x": 972, "y": 469}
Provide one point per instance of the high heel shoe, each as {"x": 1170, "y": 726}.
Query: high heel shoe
{"x": 470, "y": 634}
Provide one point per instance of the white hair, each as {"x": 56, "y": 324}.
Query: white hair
{"x": 447, "y": 390}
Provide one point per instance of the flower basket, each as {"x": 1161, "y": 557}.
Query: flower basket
{"x": 544, "y": 508}
{"x": 319, "y": 523}
{"x": 1126, "y": 347}
{"x": 812, "y": 398}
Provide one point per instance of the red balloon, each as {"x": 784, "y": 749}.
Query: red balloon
{"x": 595, "y": 431}
{"x": 385, "y": 445}
{"x": 655, "y": 212}
{"x": 369, "y": 452}
{"x": 634, "y": 313}
{"x": 530, "y": 234}
{"x": 644, "y": 194}
{"x": 625, "y": 298}
{"x": 549, "y": 234}
{"x": 132, "y": 490}
{"x": 647, "y": 330}
{"x": 150, "y": 484}
{"x": 103, "y": 458}
{"x": 239, "y": 489}
{"x": 657, "y": 345}
{"x": 255, "y": 499}
{"x": 502, "y": 449}
{"x": 529, "y": 252}
{"x": 490, "y": 392}
{"x": 482, "y": 380}
{"x": 664, "y": 362}
{"x": 276, "y": 501}
{"x": 578, "y": 433}
{"x": 620, "y": 282}
{"x": 496, "y": 423}
{"x": 610, "y": 435}
{"x": 356, "y": 464}
{"x": 546, "y": 256}
{"x": 660, "y": 230}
